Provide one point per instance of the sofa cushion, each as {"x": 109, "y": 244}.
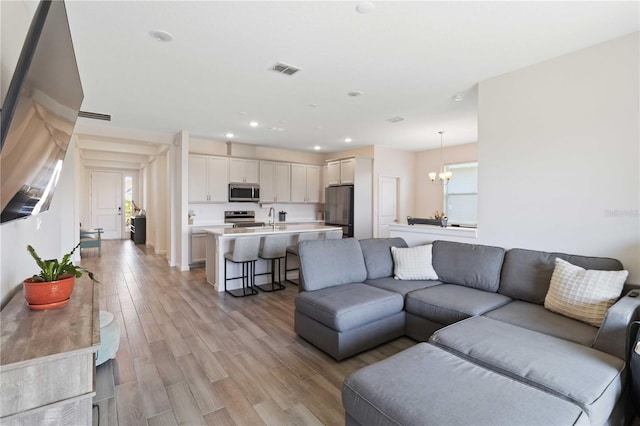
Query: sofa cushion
{"x": 413, "y": 263}
{"x": 448, "y": 303}
{"x": 402, "y": 286}
{"x": 348, "y": 306}
{"x": 589, "y": 378}
{"x": 536, "y": 317}
{"x": 583, "y": 294}
{"x": 425, "y": 385}
{"x": 328, "y": 263}
{"x": 526, "y": 274}
{"x": 377, "y": 255}
{"x": 469, "y": 265}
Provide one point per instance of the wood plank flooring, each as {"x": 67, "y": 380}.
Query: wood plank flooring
{"x": 191, "y": 356}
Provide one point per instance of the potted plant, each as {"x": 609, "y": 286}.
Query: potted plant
{"x": 52, "y": 287}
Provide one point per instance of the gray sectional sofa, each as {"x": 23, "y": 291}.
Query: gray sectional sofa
{"x": 490, "y": 339}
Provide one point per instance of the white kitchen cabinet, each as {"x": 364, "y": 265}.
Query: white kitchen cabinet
{"x": 243, "y": 170}
{"x": 341, "y": 172}
{"x": 324, "y": 179}
{"x": 305, "y": 183}
{"x": 198, "y": 248}
{"x": 208, "y": 179}
{"x": 333, "y": 172}
{"x": 275, "y": 182}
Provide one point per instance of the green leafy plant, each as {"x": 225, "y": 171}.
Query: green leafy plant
{"x": 52, "y": 270}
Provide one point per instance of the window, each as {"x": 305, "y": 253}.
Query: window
{"x": 461, "y": 194}
{"x": 128, "y": 201}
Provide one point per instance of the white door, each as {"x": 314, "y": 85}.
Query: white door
{"x": 106, "y": 203}
{"x": 387, "y": 204}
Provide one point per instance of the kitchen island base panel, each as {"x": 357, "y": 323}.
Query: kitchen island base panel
{"x": 220, "y": 241}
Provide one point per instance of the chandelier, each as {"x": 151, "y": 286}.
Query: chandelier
{"x": 443, "y": 176}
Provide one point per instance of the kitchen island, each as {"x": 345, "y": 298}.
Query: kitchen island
{"x": 220, "y": 241}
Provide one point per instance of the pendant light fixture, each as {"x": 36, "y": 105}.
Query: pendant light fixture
{"x": 443, "y": 176}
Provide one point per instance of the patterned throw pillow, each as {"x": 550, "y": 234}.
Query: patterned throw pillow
{"x": 413, "y": 263}
{"x": 583, "y": 294}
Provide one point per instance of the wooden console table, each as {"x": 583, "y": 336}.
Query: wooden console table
{"x": 47, "y": 360}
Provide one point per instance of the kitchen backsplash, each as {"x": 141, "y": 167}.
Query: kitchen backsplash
{"x": 208, "y": 213}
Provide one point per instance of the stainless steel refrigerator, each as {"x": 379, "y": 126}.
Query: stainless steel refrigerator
{"x": 338, "y": 208}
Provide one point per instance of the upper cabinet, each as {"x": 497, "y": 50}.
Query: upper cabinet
{"x": 275, "y": 182}
{"x": 208, "y": 179}
{"x": 341, "y": 172}
{"x": 305, "y": 183}
{"x": 243, "y": 170}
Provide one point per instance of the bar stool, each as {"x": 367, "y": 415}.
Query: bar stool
{"x": 333, "y": 235}
{"x": 274, "y": 247}
{"x": 293, "y": 250}
{"x": 245, "y": 252}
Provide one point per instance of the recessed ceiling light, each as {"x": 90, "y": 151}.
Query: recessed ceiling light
{"x": 160, "y": 35}
{"x": 365, "y": 7}
{"x": 254, "y": 124}
{"x": 229, "y": 135}
{"x": 458, "y": 97}
{"x": 317, "y": 147}
{"x": 354, "y": 94}
{"x": 242, "y": 112}
{"x": 347, "y": 140}
{"x": 313, "y": 105}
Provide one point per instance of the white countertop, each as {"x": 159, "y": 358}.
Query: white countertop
{"x": 435, "y": 230}
{"x": 214, "y": 223}
{"x": 282, "y": 228}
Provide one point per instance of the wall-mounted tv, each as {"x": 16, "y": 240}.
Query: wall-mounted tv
{"x": 38, "y": 114}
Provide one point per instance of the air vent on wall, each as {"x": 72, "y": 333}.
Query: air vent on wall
{"x": 94, "y": 115}
{"x": 284, "y": 68}
{"x": 394, "y": 119}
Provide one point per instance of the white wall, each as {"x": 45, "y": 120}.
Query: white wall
{"x": 56, "y": 231}
{"x": 430, "y": 195}
{"x": 388, "y": 162}
{"x": 559, "y": 155}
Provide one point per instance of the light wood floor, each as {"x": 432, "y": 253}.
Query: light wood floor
{"x": 191, "y": 356}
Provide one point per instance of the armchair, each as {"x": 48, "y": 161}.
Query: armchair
{"x": 90, "y": 238}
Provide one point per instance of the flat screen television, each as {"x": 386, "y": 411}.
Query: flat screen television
{"x": 38, "y": 114}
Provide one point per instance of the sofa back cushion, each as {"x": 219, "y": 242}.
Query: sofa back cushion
{"x": 377, "y": 256}
{"x": 526, "y": 274}
{"x": 470, "y": 265}
{"x": 328, "y": 263}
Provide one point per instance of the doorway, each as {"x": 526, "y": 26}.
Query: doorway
{"x": 387, "y": 204}
{"x": 112, "y": 200}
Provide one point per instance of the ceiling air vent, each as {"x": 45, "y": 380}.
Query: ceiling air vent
{"x": 394, "y": 119}
{"x": 284, "y": 68}
{"x": 94, "y": 115}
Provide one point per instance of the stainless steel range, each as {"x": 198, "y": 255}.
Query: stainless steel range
{"x": 242, "y": 218}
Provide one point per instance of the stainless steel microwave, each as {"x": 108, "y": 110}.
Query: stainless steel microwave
{"x": 244, "y": 192}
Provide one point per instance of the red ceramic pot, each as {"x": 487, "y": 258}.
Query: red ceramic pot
{"x": 47, "y": 295}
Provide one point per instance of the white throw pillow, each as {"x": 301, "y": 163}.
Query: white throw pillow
{"x": 583, "y": 294}
{"x": 413, "y": 263}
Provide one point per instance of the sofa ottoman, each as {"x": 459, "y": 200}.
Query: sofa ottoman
{"x": 425, "y": 385}
{"x": 590, "y": 379}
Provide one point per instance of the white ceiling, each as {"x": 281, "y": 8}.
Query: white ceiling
{"x": 408, "y": 58}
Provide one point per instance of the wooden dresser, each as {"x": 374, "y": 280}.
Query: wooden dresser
{"x": 47, "y": 360}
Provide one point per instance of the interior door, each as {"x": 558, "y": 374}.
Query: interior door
{"x": 106, "y": 203}
{"x": 387, "y": 204}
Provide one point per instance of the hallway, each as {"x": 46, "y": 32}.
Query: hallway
{"x": 189, "y": 355}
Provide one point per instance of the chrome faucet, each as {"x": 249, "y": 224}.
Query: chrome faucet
{"x": 272, "y": 216}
